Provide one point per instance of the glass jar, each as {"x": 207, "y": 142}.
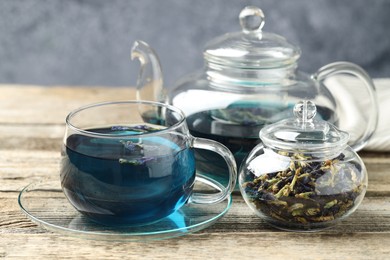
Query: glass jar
{"x": 303, "y": 176}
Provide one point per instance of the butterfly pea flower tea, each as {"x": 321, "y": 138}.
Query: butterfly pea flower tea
{"x": 132, "y": 163}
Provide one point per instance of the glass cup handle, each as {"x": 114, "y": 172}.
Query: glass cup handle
{"x": 355, "y": 70}
{"x": 203, "y": 198}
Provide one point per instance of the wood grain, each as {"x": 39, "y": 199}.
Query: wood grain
{"x": 49, "y": 105}
{"x": 31, "y": 132}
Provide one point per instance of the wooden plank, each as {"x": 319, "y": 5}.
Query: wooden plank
{"x": 373, "y": 215}
{"x": 43, "y": 105}
{"x": 240, "y": 232}
{"x": 248, "y": 245}
{"x": 19, "y": 168}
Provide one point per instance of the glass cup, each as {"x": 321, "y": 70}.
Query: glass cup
{"x": 132, "y": 162}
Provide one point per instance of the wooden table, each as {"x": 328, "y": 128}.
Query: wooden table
{"x": 31, "y": 130}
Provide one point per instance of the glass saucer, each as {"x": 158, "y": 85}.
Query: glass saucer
{"x": 45, "y": 204}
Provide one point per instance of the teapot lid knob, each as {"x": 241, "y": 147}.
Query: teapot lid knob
{"x": 250, "y": 48}
{"x": 305, "y": 111}
{"x": 251, "y": 19}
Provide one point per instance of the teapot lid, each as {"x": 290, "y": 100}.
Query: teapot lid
{"x": 304, "y": 132}
{"x": 251, "y": 47}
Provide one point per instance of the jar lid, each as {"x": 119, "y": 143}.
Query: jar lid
{"x": 251, "y": 47}
{"x": 304, "y": 132}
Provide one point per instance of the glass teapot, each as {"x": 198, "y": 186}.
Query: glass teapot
{"x": 250, "y": 80}
{"x": 303, "y": 176}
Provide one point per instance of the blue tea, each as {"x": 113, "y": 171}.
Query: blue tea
{"x": 127, "y": 181}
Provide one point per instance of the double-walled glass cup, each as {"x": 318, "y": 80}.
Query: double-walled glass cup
{"x": 132, "y": 162}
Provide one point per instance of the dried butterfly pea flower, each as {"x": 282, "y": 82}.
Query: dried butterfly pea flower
{"x": 136, "y": 128}
{"x": 307, "y": 192}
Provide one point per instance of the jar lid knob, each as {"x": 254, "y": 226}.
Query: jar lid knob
{"x": 304, "y": 132}
{"x": 305, "y": 111}
{"x": 251, "y": 19}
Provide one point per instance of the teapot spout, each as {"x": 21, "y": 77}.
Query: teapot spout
{"x": 150, "y": 80}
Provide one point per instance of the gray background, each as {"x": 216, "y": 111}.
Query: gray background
{"x": 87, "y": 42}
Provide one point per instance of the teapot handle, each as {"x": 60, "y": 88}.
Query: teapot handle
{"x": 350, "y": 68}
